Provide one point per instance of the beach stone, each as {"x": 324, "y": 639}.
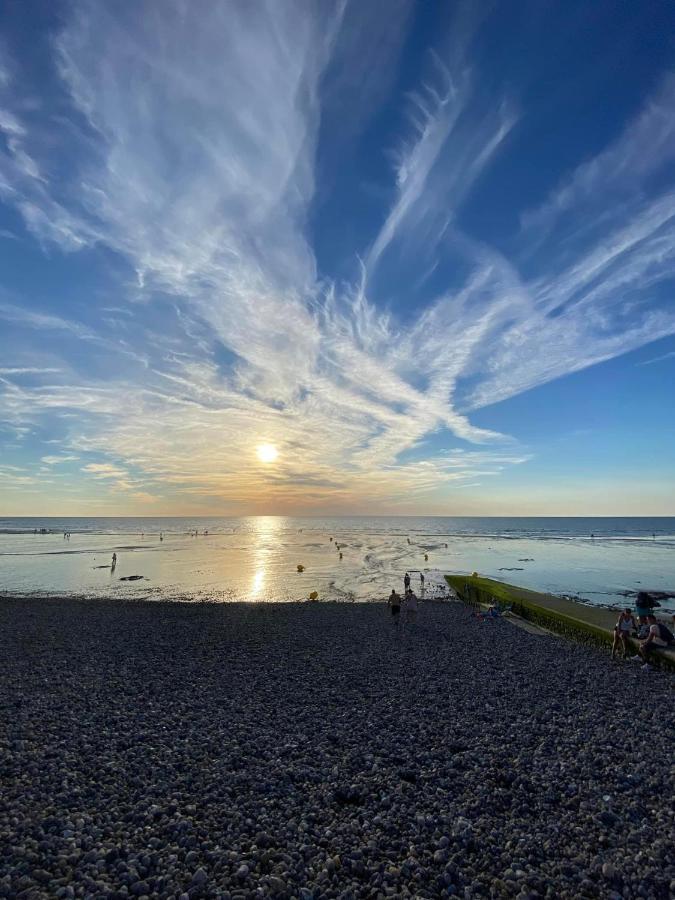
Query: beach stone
{"x": 268, "y": 743}
{"x": 200, "y": 877}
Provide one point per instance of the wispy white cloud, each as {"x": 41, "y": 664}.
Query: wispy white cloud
{"x": 453, "y": 139}
{"x": 27, "y": 370}
{"x": 198, "y": 138}
{"x": 661, "y": 358}
{"x": 52, "y": 460}
{"x": 645, "y": 147}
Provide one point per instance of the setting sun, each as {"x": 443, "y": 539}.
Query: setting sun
{"x": 267, "y": 453}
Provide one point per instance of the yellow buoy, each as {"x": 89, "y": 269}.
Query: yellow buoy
{"x": 340, "y": 556}
{"x": 426, "y": 556}
{"x": 314, "y": 595}
{"x": 301, "y": 568}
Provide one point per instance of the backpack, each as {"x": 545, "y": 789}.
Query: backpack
{"x": 666, "y": 634}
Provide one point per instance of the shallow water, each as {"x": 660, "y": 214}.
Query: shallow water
{"x": 256, "y": 558}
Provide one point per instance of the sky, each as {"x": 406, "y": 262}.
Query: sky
{"x": 425, "y": 251}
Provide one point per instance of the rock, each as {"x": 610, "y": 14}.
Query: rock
{"x": 165, "y": 749}
{"x": 200, "y": 877}
{"x": 41, "y": 875}
{"x": 608, "y": 818}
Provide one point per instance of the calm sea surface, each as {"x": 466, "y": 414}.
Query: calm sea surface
{"x": 603, "y": 560}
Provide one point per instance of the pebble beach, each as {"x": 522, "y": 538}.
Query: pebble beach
{"x": 312, "y": 750}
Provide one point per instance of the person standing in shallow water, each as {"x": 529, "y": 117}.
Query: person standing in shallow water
{"x": 114, "y": 561}
{"x": 406, "y": 582}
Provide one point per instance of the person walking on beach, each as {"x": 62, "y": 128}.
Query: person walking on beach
{"x": 622, "y": 632}
{"x": 410, "y": 608}
{"x": 406, "y": 582}
{"x": 394, "y": 603}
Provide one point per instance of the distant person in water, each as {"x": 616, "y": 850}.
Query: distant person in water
{"x": 406, "y": 582}
{"x": 114, "y": 561}
{"x": 622, "y": 631}
{"x": 161, "y": 536}
{"x": 394, "y": 603}
{"x": 422, "y": 579}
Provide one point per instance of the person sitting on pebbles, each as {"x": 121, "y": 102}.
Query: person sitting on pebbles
{"x": 659, "y": 636}
{"x": 643, "y": 628}
{"x": 622, "y": 631}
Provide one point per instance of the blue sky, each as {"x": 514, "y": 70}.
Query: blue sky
{"x": 425, "y": 250}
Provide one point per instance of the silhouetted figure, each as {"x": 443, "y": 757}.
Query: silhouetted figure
{"x": 114, "y": 562}
{"x": 406, "y": 582}
{"x": 394, "y": 602}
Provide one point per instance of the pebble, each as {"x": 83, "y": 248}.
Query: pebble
{"x": 309, "y": 750}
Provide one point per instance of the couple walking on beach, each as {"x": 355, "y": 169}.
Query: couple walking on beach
{"x": 409, "y": 601}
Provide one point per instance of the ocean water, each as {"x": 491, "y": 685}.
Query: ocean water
{"x": 603, "y": 560}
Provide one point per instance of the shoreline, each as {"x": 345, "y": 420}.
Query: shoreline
{"x": 259, "y": 560}
{"x": 308, "y": 750}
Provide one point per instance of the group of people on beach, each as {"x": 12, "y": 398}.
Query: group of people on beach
{"x": 409, "y": 602}
{"x": 651, "y": 634}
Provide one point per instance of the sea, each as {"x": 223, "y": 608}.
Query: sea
{"x": 602, "y": 561}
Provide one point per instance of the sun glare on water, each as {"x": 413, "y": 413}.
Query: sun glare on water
{"x": 267, "y": 453}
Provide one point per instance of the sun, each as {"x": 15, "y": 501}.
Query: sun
{"x": 267, "y": 453}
